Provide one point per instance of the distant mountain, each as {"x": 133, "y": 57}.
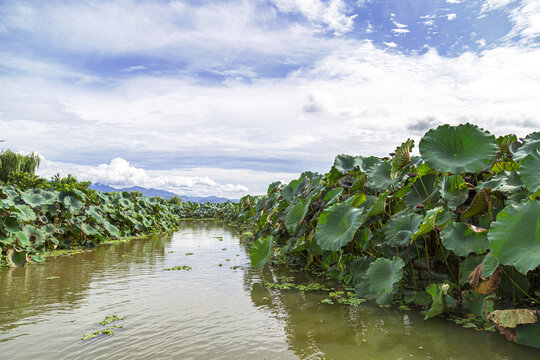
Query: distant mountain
{"x": 162, "y": 193}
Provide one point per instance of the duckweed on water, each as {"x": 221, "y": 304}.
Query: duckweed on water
{"x": 179, "y": 267}
{"x": 190, "y": 253}
{"x": 111, "y": 318}
{"x": 108, "y": 331}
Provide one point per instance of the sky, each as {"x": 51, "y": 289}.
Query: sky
{"x": 224, "y": 97}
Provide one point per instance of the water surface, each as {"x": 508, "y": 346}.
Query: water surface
{"x": 218, "y": 310}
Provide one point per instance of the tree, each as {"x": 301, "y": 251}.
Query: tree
{"x": 11, "y": 162}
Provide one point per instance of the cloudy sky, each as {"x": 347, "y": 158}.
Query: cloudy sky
{"x": 223, "y": 97}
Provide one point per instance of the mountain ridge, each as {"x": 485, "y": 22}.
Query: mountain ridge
{"x": 148, "y": 192}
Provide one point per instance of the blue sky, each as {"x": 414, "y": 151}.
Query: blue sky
{"x": 224, "y": 97}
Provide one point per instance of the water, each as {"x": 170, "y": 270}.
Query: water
{"x": 210, "y": 312}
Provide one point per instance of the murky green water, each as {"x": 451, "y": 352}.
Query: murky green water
{"x": 210, "y": 312}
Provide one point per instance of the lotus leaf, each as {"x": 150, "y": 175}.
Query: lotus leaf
{"x": 24, "y": 213}
{"x": 295, "y": 215}
{"x": 512, "y": 318}
{"x": 458, "y": 149}
{"x": 532, "y": 142}
{"x": 402, "y": 158}
{"x": 479, "y": 205}
{"x": 261, "y": 250}
{"x": 462, "y": 240}
{"x": 428, "y": 223}
{"x": 379, "y": 177}
{"x": 383, "y": 273}
{"x": 337, "y": 225}
{"x": 514, "y": 238}
{"x": 401, "y": 226}
{"x": 506, "y": 182}
{"x": 113, "y": 230}
{"x": 332, "y": 196}
{"x": 33, "y": 199}
{"x": 347, "y": 163}
{"x": 88, "y": 230}
{"x": 528, "y": 335}
{"x": 38, "y": 258}
{"x": 23, "y": 238}
{"x": 530, "y": 171}
{"x": 489, "y": 265}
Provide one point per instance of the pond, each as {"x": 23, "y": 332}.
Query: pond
{"x": 219, "y": 309}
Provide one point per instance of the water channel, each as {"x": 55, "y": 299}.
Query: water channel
{"x": 217, "y": 310}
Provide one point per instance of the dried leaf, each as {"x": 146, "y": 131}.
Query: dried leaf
{"x": 513, "y": 318}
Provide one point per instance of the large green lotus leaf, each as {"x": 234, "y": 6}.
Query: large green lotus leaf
{"x": 72, "y": 203}
{"x": 295, "y": 215}
{"x": 479, "y": 205}
{"x": 402, "y": 158}
{"x": 33, "y": 199}
{"x": 287, "y": 191}
{"x": 401, "y": 226}
{"x": 88, "y": 230}
{"x": 506, "y": 182}
{"x": 458, "y": 149}
{"x": 113, "y": 230}
{"x": 383, "y": 273}
{"x": 429, "y": 222}
{"x": 532, "y": 142}
{"x": 23, "y": 212}
{"x": 452, "y": 190}
{"x": 337, "y": 225}
{"x": 459, "y": 238}
{"x": 11, "y": 224}
{"x": 49, "y": 197}
{"x": 94, "y": 212}
{"x": 347, "y": 163}
{"x": 530, "y": 171}
{"x": 528, "y": 335}
{"x": 261, "y": 250}
{"x": 369, "y": 162}
{"x": 23, "y": 239}
{"x": 514, "y": 238}
{"x": 379, "y": 177}
{"x": 36, "y": 236}
{"x": 417, "y": 194}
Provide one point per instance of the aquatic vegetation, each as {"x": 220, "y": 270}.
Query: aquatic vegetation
{"x": 52, "y": 277}
{"x": 451, "y": 232}
{"x": 189, "y": 253}
{"x": 111, "y": 318}
{"x": 179, "y": 267}
{"x": 107, "y": 331}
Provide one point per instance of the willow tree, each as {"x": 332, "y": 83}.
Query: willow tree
{"x": 11, "y": 162}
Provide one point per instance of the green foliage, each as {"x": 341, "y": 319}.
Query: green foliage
{"x": 12, "y": 163}
{"x": 470, "y": 204}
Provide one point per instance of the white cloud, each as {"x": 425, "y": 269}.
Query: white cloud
{"x": 451, "y": 17}
{"x": 481, "y": 42}
{"x": 489, "y": 5}
{"x": 526, "y": 19}
{"x": 390, "y": 44}
{"x": 119, "y": 173}
{"x": 331, "y": 15}
{"x": 400, "y": 31}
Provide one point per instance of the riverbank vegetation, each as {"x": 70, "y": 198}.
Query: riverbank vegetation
{"x": 455, "y": 231}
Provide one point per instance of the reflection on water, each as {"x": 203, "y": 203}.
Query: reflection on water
{"x": 218, "y": 310}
